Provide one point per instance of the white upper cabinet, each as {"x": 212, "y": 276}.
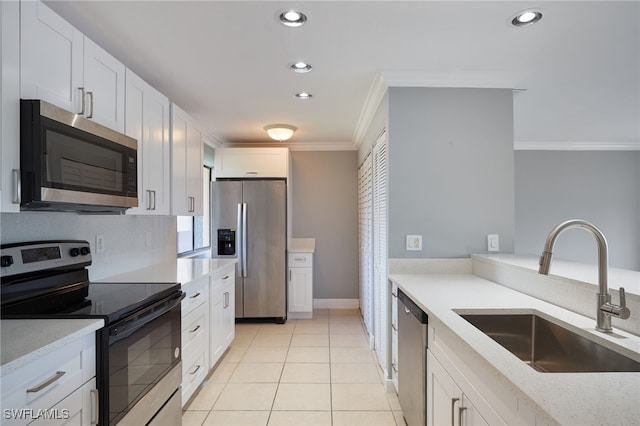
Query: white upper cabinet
{"x": 186, "y": 165}
{"x": 147, "y": 121}
{"x": 252, "y": 162}
{"x": 63, "y": 67}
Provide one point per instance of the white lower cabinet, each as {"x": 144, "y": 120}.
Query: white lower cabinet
{"x": 300, "y": 287}
{"x": 208, "y": 325}
{"x": 195, "y": 336}
{"x": 394, "y": 335}
{"x": 57, "y": 389}
{"x": 222, "y": 314}
{"x": 446, "y": 403}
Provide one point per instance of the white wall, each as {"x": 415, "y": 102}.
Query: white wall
{"x": 325, "y": 206}
{"x": 130, "y": 242}
{"x": 602, "y": 187}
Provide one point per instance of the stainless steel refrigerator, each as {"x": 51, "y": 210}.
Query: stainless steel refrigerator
{"x": 249, "y": 222}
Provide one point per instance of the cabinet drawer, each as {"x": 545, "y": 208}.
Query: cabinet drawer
{"x": 194, "y": 370}
{"x": 300, "y": 260}
{"x": 43, "y": 383}
{"x": 197, "y": 292}
{"x": 195, "y": 327}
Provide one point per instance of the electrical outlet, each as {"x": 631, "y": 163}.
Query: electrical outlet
{"x": 99, "y": 243}
{"x": 493, "y": 242}
{"x": 414, "y": 242}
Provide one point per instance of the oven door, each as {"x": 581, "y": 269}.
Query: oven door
{"x": 140, "y": 351}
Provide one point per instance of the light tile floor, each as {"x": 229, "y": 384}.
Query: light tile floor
{"x": 305, "y": 373}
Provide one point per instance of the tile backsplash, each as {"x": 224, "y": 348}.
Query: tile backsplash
{"x": 130, "y": 242}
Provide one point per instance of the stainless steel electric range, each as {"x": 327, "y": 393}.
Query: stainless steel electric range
{"x": 138, "y": 361}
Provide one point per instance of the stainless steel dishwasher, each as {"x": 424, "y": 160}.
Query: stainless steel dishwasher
{"x": 412, "y": 360}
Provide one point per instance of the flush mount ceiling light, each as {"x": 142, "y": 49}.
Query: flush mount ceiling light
{"x": 300, "y": 67}
{"x": 526, "y": 17}
{"x": 292, "y": 18}
{"x": 304, "y": 95}
{"x": 280, "y": 132}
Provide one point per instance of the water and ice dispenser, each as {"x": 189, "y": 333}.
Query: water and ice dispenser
{"x": 226, "y": 242}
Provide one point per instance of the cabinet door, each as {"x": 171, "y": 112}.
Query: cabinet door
{"x": 51, "y": 64}
{"x": 217, "y": 322}
{"x": 147, "y": 121}
{"x": 252, "y": 162}
{"x": 77, "y": 409}
{"x": 228, "y": 310}
{"x": 300, "y": 290}
{"x": 10, "y": 106}
{"x": 186, "y": 165}
{"x": 104, "y": 80}
{"x": 443, "y": 395}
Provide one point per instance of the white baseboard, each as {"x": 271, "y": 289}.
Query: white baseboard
{"x": 336, "y": 303}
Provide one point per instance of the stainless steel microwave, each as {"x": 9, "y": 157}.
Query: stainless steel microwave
{"x": 70, "y": 163}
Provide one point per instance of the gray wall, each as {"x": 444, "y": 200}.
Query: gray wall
{"x": 602, "y": 187}
{"x": 451, "y": 170}
{"x": 325, "y": 207}
{"x": 131, "y": 242}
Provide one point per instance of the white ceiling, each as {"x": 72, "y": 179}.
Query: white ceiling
{"x": 226, "y": 62}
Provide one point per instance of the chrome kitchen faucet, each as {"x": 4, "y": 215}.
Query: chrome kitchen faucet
{"x": 605, "y": 309}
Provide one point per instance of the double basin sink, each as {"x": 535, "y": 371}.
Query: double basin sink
{"x": 549, "y": 347}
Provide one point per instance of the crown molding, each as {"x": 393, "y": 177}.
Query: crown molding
{"x": 376, "y": 94}
{"x": 576, "y": 146}
{"x": 483, "y": 79}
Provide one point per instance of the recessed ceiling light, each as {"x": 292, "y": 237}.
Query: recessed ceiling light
{"x": 292, "y": 18}
{"x": 300, "y": 67}
{"x": 304, "y": 95}
{"x": 526, "y": 17}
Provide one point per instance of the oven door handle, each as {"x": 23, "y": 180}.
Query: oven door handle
{"x": 154, "y": 311}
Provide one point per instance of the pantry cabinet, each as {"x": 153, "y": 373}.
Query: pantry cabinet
{"x": 300, "y": 283}
{"x": 186, "y": 164}
{"x": 147, "y": 121}
{"x": 63, "y": 67}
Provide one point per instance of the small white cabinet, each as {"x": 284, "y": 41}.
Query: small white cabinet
{"x": 252, "y": 162}
{"x": 57, "y": 389}
{"x": 300, "y": 285}
{"x": 147, "y": 121}
{"x": 186, "y": 165}
{"x": 195, "y": 335}
{"x": 62, "y": 66}
{"x": 222, "y": 313}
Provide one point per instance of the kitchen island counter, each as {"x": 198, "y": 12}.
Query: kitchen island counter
{"x": 562, "y": 398}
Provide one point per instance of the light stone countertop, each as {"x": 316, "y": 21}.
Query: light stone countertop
{"x": 302, "y": 245}
{"x": 178, "y": 270}
{"x": 567, "y": 398}
{"x": 26, "y": 340}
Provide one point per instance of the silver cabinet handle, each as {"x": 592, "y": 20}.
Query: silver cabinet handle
{"x": 195, "y": 295}
{"x": 226, "y": 300}
{"x": 453, "y": 409}
{"x": 460, "y": 411}
{"x": 394, "y": 294}
{"x": 252, "y": 173}
{"x": 192, "y": 204}
{"x": 394, "y": 327}
{"x": 154, "y": 199}
{"x": 83, "y": 103}
{"x": 195, "y": 370}
{"x": 195, "y": 329}
{"x": 17, "y": 186}
{"x": 95, "y": 409}
{"x": 394, "y": 367}
{"x": 90, "y": 104}
{"x": 47, "y": 382}
{"x": 226, "y": 277}
{"x": 406, "y": 310}
{"x": 299, "y": 259}
{"x": 149, "y": 199}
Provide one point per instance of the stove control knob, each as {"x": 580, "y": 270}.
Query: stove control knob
{"x": 85, "y": 251}
{"x": 6, "y": 261}
{"x": 74, "y": 252}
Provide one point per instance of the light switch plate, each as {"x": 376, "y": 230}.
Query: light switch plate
{"x": 493, "y": 242}
{"x": 414, "y": 242}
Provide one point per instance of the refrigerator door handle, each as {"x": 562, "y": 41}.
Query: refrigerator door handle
{"x": 244, "y": 240}
{"x": 239, "y": 238}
